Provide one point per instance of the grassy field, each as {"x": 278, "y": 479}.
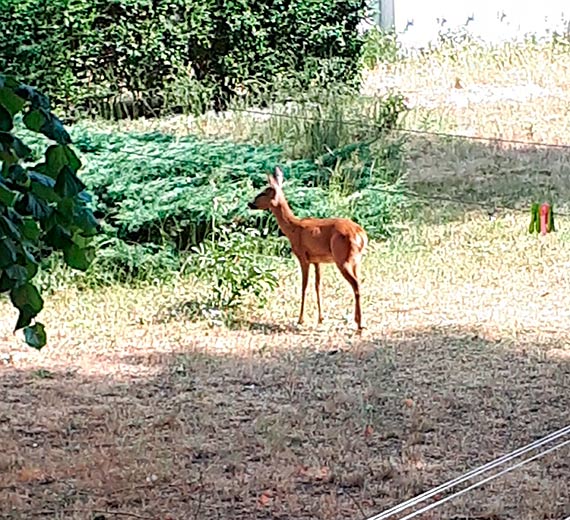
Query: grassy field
{"x": 137, "y": 409}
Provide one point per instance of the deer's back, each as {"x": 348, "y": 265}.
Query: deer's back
{"x": 315, "y": 238}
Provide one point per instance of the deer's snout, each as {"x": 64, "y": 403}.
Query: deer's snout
{"x": 252, "y": 205}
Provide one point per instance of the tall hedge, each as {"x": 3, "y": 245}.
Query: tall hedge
{"x": 192, "y": 53}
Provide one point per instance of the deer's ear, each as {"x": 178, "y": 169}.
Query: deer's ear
{"x": 271, "y": 180}
{"x": 278, "y": 176}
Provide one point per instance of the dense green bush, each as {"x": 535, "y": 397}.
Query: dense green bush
{"x": 155, "y": 188}
{"x": 43, "y": 205}
{"x": 138, "y": 56}
{"x": 159, "y": 197}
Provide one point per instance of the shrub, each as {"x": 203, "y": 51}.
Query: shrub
{"x": 43, "y": 206}
{"x": 232, "y": 265}
{"x": 135, "y": 57}
{"x": 163, "y": 201}
{"x": 157, "y": 194}
{"x": 123, "y": 262}
{"x": 380, "y": 46}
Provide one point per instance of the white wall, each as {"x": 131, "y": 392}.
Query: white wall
{"x": 418, "y": 21}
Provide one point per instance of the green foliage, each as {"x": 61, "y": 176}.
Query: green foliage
{"x": 380, "y": 47}
{"x": 156, "y": 189}
{"x": 132, "y": 57}
{"x": 160, "y": 197}
{"x": 231, "y": 263}
{"x": 43, "y": 205}
{"x": 123, "y": 262}
{"x": 330, "y": 123}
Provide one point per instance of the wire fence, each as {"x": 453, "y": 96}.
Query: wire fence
{"x": 501, "y": 461}
{"x": 508, "y": 469}
{"x": 369, "y": 124}
{"x": 489, "y": 207}
{"x": 506, "y": 463}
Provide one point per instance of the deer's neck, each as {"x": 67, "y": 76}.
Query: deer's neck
{"x": 287, "y": 221}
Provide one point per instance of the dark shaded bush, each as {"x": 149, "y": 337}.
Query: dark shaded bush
{"x": 139, "y": 56}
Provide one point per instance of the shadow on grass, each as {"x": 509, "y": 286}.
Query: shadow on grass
{"x": 199, "y": 310}
{"x": 266, "y": 327}
{"x": 297, "y": 434}
{"x": 489, "y": 174}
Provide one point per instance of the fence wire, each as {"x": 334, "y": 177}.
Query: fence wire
{"x": 559, "y": 434}
{"x": 487, "y": 206}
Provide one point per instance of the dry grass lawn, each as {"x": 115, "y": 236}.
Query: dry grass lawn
{"x": 137, "y": 410}
{"x": 508, "y": 91}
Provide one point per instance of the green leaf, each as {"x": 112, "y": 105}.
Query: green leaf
{"x": 58, "y": 156}
{"x": 34, "y": 119}
{"x": 21, "y": 149}
{"x": 10, "y": 82}
{"x": 9, "y": 228}
{"x": 8, "y": 252}
{"x": 7, "y": 157}
{"x": 58, "y": 237}
{"x": 10, "y": 143}
{"x": 30, "y": 228}
{"x": 53, "y": 129}
{"x": 19, "y": 175}
{"x": 85, "y": 219}
{"x": 27, "y": 294}
{"x": 30, "y": 94}
{"x": 79, "y": 258}
{"x": 5, "y": 283}
{"x": 35, "y": 336}
{"x": 32, "y": 268}
{"x": 17, "y": 273}
{"x": 43, "y": 186}
{"x": 79, "y": 215}
{"x": 26, "y": 298}
{"x": 30, "y": 262}
{"x": 39, "y": 119}
{"x": 67, "y": 184}
{"x": 10, "y": 101}
{"x": 81, "y": 240}
{"x": 25, "y": 317}
{"x": 7, "y": 196}
{"x": 6, "y": 123}
{"x": 32, "y": 205}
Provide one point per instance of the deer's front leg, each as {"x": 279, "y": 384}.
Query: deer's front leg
{"x": 304, "y": 281}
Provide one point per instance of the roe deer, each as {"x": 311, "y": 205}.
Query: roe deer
{"x": 317, "y": 240}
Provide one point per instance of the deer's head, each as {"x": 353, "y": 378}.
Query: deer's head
{"x": 271, "y": 196}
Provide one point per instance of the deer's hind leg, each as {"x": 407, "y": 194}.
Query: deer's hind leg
{"x": 348, "y": 263}
{"x": 347, "y": 272}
